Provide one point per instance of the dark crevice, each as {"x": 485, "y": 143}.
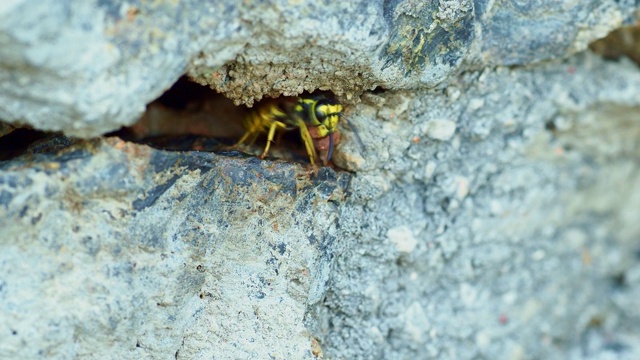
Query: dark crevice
{"x": 27, "y": 141}
{"x": 188, "y": 116}
{"x": 618, "y": 281}
{"x": 192, "y": 117}
{"x": 623, "y": 42}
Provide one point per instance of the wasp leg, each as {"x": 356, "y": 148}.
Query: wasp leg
{"x": 279, "y": 136}
{"x": 249, "y": 135}
{"x": 244, "y": 138}
{"x": 272, "y": 133}
{"x": 307, "y": 140}
{"x": 254, "y": 138}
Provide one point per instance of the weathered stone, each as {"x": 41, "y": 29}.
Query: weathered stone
{"x": 514, "y": 238}
{"x": 150, "y": 253}
{"x": 497, "y": 271}
{"x": 87, "y": 68}
{"x": 5, "y": 129}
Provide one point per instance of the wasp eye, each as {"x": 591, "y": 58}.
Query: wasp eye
{"x": 326, "y": 108}
{"x": 320, "y": 114}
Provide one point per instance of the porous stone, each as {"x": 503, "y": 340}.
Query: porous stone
{"x": 131, "y": 252}
{"x": 516, "y": 237}
{"x": 87, "y": 68}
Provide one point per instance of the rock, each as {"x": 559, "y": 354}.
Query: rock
{"x": 493, "y": 214}
{"x": 442, "y": 130}
{"x": 150, "y": 253}
{"x": 514, "y": 236}
{"x": 88, "y": 68}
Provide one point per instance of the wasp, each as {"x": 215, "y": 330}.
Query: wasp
{"x": 315, "y": 116}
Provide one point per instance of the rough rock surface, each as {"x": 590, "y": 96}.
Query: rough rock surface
{"x": 130, "y": 252}
{"x": 88, "y": 68}
{"x": 517, "y": 238}
{"x": 493, "y": 216}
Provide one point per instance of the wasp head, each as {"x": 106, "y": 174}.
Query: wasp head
{"x": 323, "y": 114}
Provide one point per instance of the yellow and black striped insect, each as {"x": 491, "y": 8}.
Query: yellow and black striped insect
{"x": 315, "y": 112}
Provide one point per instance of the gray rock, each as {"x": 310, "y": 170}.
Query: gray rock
{"x": 512, "y": 242}
{"x": 514, "y": 236}
{"x": 512, "y": 239}
{"x": 87, "y": 68}
{"x": 114, "y": 250}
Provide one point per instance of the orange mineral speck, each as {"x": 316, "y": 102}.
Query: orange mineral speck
{"x": 586, "y": 257}
{"x": 119, "y": 145}
{"x": 132, "y": 13}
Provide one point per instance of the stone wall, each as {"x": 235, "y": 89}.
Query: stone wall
{"x": 491, "y": 213}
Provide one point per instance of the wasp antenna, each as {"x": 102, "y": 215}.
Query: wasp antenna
{"x": 355, "y": 132}
{"x": 330, "y": 147}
